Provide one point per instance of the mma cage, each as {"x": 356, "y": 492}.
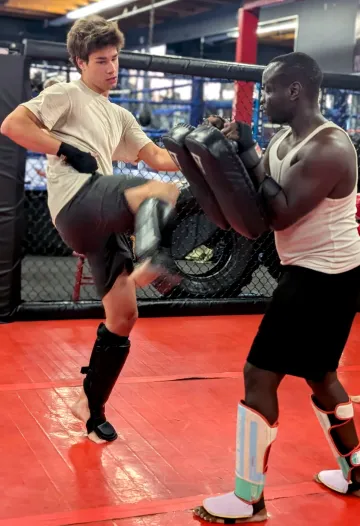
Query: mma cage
{"x": 223, "y": 272}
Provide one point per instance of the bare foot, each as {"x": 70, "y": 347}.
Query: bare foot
{"x": 81, "y": 411}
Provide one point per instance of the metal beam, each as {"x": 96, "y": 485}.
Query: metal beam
{"x": 195, "y": 67}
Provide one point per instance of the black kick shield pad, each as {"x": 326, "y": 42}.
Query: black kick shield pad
{"x": 174, "y": 142}
{"x": 229, "y": 180}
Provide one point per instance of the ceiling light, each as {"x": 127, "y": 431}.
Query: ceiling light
{"x": 97, "y": 7}
{"x": 137, "y": 11}
{"x": 266, "y": 29}
{"x": 286, "y": 26}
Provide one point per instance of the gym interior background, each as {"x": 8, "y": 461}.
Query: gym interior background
{"x": 183, "y": 60}
{"x": 222, "y": 270}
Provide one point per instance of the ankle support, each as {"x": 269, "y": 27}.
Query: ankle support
{"x": 330, "y": 421}
{"x": 254, "y": 439}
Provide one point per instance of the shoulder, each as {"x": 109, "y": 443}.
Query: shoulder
{"x": 58, "y": 94}
{"x": 331, "y": 146}
{"x": 124, "y": 115}
{"x": 60, "y": 87}
{"x": 75, "y": 89}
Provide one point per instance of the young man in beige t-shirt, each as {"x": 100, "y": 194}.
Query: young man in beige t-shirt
{"x": 82, "y": 132}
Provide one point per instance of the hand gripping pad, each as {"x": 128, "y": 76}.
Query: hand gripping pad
{"x": 174, "y": 142}
{"x": 229, "y": 180}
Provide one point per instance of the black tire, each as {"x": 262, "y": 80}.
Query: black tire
{"x": 231, "y": 253}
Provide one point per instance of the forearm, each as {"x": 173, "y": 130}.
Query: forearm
{"x": 275, "y": 203}
{"x": 272, "y": 195}
{"x": 258, "y": 174}
{"x": 27, "y": 134}
{"x": 163, "y": 162}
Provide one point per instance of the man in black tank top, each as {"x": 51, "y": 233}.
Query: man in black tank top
{"x": 307, "y": 324}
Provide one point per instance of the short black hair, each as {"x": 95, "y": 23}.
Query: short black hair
{"x": 302, "y": 68}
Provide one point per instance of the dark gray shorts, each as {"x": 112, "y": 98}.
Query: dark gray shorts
{"x": 97, "y": 222}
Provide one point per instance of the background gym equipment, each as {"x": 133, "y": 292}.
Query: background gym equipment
{"x": 221, "y": 270}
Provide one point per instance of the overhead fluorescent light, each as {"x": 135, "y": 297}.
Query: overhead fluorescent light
{"x": 137, "y": 11}
{"x": 97, "y": 7}
{"x": 275, "y": 28}
{"x": 267, "y": 29}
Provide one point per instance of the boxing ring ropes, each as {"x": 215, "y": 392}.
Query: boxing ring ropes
{"x": 175, "y": 403}
{"x": 221, "y": 270}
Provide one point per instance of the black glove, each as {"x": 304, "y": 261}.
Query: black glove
{"x": 248, "y": 149}
{"x": 83, "y": 162}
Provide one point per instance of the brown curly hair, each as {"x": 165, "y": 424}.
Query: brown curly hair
{"x": 91, "y": 34}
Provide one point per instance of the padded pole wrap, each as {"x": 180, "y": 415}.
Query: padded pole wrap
{"x": 12, "y": 170}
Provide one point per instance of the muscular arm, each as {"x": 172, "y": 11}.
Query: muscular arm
{"x": 263, "y": 168}
{"x": 325, "y": 163}
{"x": 157, "y": 158}
{"x": 136, "y": 146}
{"x": 24, "y": 128}
{"x": 317, "y": 171}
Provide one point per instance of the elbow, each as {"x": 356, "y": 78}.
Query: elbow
{"x": 7, "y": 126}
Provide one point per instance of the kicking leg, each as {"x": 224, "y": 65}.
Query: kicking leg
{"x": 108, "y": 357}
{"x": 335, "y": 413}
{"x": 257, "y": 426}
{"x": 153, "y": 205}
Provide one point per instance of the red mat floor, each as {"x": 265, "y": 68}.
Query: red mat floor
{"x": 175, "y": 411}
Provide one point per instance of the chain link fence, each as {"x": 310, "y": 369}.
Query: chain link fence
{"x": 215, "y": 265}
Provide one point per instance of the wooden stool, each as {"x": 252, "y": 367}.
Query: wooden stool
{"x": 80, "y": 278}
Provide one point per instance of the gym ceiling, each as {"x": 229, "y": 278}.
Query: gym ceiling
{"x": 136, "y": 13}
{"x": 51, "y": 9}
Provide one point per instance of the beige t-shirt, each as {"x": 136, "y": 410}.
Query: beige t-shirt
{"x": 75, "y": 114}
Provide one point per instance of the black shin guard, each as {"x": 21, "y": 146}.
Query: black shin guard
{"x": 106, "y": 362}
{"x": 153, "y": 231}
{"x": 151, "y": 219}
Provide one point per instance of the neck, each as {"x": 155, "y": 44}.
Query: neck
{"x": 94, "y": 88}
{"x": 306, "y": 121}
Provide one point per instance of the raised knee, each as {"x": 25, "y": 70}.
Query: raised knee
{"x": 123, "y": 322}
{"x": 167, "y": 191}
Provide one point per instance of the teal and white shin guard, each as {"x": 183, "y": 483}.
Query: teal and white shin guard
{"x": 347, "y": 459}
{"x": 254, "y": 439}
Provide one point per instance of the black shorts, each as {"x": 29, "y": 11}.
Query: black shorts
{"x": 306, "y": 326}
{"x": 97, "y": 223}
